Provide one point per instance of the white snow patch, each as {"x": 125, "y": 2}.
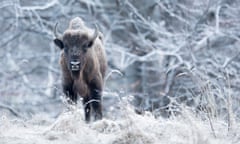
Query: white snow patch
{"x": 70, "y": 128}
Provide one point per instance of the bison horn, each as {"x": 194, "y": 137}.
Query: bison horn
{"x": 95, "y": 35}
{"x": 55, "y": 31}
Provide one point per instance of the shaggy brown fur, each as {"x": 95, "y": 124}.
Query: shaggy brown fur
{"x": 83, "y": 64}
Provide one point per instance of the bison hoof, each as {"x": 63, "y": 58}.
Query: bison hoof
{"x": 97, "y": 116}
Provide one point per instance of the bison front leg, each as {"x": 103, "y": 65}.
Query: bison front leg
{"x": 87, "y": 108}
{"x": 96, "y": 100}
{"x": 97, "y": 104}
{"x": 70, "y": 93}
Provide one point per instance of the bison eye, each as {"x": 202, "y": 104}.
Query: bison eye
{"x": 88, "y": 45}
{"x": 65, "y": 49}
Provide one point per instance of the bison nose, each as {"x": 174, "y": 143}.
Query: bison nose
{"x": 75, "y": 65}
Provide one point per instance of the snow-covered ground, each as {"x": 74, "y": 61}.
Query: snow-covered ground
{"x": 70, "y": 128}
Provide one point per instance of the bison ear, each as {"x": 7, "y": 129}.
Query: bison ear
{"x": 59, "y": 43}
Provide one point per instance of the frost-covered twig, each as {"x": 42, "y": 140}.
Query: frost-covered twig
{"x": 13, "y": 111}
{"x": 43, "y": 7}
{"x": 231, "y": 122}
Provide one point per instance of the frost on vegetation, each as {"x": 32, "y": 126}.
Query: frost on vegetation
{"x": 70, "y": 127}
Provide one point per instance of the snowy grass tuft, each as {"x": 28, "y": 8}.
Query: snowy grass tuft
{"x": 70, "y": 127}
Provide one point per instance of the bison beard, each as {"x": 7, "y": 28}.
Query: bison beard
{"x": 83, "y": 75}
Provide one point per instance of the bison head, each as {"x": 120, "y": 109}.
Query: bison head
{"x": 75, "y": 44}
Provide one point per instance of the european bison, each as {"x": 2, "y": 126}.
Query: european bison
{"x": 83, "y": 65}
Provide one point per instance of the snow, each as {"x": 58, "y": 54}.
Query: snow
{"x": 70, "y": 127}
